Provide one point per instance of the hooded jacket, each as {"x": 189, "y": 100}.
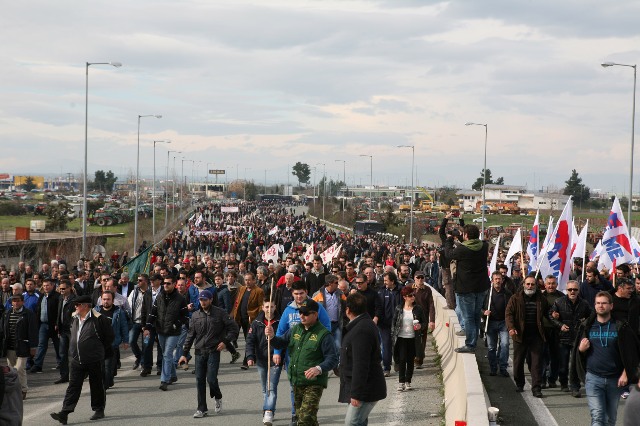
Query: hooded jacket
{"x": 257, "y": 341}
{"x": 472, "y": 275}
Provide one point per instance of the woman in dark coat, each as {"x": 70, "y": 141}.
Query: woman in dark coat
{"x": 408, "y": 321}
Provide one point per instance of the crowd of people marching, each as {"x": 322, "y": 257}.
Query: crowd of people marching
{"x": 362, "y": 313}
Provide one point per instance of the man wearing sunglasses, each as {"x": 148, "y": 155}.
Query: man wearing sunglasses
{"x": 566, "y": 314}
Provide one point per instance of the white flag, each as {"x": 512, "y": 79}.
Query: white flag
{"x": 271, "y": 253}
{"x": 515, "y": 248}
{"x": 308, "y": 255}
{"x": 494, "y": 258}
{"x": 556, "y": 256}
{"x": 273, "y": 230}
{"x": 329, "y": 253}
{"x": 579, "y": 245}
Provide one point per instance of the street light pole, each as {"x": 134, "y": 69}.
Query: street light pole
{"x": 371, "y": 187}
{"x": 244, "y": 195}
{"x": 183, "y": 182}
{"x": 633, "y": 133}
{"x": 86, "y": 126}
{"x": 324, "y": 186}
{"x": 135, "y": 225}
{"x": 344, "y": 179}
{"x": 413, "y": 155}
{"x": 166, "y": 197}
{"x": 484, "y": 174}
{"x": 153, "y": 194}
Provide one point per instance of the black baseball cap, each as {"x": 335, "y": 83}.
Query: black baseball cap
{"x": 309, "y": 306}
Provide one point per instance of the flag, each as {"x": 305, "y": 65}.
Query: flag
{"x": 534, "y": 243}
{"x": 308, "y": 255}
{"x": 515, "y": 248}
{"x": 636, "y": 249}
{"x": 546, "y": 238}
{"x": 616, "y": 242}
{"x": 579, "y": 245}
{"x": 596, "y": 251}
{"x": 271, "y": 253}
{"x": 494, "y": 258}
{"x": 556, "y": 258}
{"x": 273, "y": 230}
{"x": 198, "y": 221}
{"x": 330, "y": 253}
{"x": 139, "y": 264}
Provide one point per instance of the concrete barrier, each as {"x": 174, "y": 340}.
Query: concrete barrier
{"x": 464, "y": 395}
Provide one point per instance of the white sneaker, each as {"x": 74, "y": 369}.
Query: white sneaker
{"x": 401, "y": 387}
{"x": 268, "y": 418}
{"x": 407, "y": 386}
{"x": 218, "y": 405}
{"x": 200, "y": 414}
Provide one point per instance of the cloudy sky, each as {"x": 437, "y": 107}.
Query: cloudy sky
{"x": 258, "y": 85}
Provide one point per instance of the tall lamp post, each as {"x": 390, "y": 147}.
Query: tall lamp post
{"x": 153, "y": 193}
{"x": 206, "y": 189}
{"x": 484, "y": 174}
{"x": 413, "y": 156}
{"x": 324, "y": 186}
{"x": 183, "y": 182}
{"x": 371, "y": 187}
{"x": 344, "y": 180}
{"x": 166, "y": 196}
{"x": 86, "y": 125}
{"x": 135, "y": 225}
{"x": 633, "y": 132}
{"x": 244, "y": 195}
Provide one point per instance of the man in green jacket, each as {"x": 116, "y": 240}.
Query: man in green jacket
{"x": 312, "y": 355}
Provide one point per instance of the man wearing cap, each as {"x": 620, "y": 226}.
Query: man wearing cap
{"x": 210, "y": 332}
{"x": 20, "y": 332}
{"x": 312, "y": 355}
{"x": 91, "y": 339}
{"x": 148, "y": 300}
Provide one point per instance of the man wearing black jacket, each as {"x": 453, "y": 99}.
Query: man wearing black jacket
{"x": 362, "y": 382}
{"x": 210, "y": 332}
{"x": 168, "y": 314}
{"x": 471, "y": 281}
{"x": 46, "y": 313}
{"x": 66, "y": 307}
{"x": 91, "y": 339}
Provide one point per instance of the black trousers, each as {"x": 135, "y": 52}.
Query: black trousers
{"x": 406, "y": 352}
{"x": 77, "y": 374}
{"x": 531, "y": 343}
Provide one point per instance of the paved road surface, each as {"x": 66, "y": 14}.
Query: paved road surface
{"x": 138, "y": 401}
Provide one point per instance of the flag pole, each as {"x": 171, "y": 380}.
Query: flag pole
{"x": 486, "y": 324}
{"x": 584, "y": 257}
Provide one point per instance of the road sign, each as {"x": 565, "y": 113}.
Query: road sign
{"x": 216, "y": 172}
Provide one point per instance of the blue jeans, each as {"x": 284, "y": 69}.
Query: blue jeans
{"x": 459, "y": 313}
{"x": 207, "y": 372}
{"x": 602, "y": 396}
{"x": 471, "y": 309}
{"x": 336, "y": 332}
{"x": 181, "y": 339}
{"x": 134, "y": 335}
{"x": 385, "y": 342}
{"x": 269, "y": 401}
{"x": 498, "y": 329}
{"x": 168, "y": 345}
{"x": 43, "y": 343}
{"x": 359, "y": 416}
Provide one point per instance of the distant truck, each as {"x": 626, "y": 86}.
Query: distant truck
{"x": 368, "y": 227}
